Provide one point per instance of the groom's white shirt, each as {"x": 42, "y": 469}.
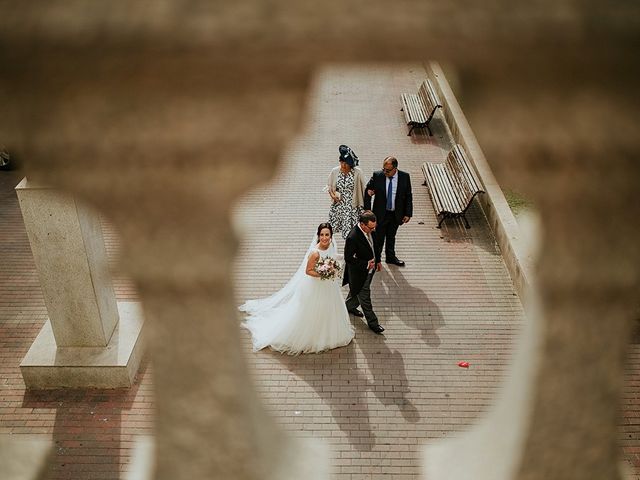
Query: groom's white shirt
{"x": 370, "y": 242}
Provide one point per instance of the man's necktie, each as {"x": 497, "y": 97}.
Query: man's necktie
{"x": 390, "y": 194}
{"x": 370, "y": 240}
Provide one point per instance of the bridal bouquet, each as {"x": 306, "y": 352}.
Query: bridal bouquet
{"x": 327, "y": 268}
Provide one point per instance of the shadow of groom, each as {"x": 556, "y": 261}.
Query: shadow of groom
{"x": 414, "y": 307}
{"x": 389, "y": 379}
{"x": 338, "y": 382}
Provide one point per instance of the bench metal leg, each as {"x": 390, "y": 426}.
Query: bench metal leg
{"x": 466, "y": 224}
{"x": 441, "y": 220}
{"x": 428, "y": 122}
{"x": 411, "y": 130}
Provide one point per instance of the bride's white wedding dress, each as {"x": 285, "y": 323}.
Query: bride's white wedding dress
{"x": 307, "y": 315}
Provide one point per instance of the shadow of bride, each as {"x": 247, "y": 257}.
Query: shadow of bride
{"x": 338, "y": 382}
{"x": 421, "y": 313}
{"x": 389, "y": 379}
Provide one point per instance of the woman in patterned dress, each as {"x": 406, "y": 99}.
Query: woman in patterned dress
{"x": 346, "y": 189}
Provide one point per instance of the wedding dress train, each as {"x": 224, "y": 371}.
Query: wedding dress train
{"x": 307, "y": 315}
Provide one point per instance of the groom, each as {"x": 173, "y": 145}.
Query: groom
{"x": 362, "y": 264}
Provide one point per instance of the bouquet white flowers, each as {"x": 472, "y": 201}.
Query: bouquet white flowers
{"x": 328, "y": 269}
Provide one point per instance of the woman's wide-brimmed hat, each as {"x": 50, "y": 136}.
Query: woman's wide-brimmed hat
{"x": 347, "y": 155}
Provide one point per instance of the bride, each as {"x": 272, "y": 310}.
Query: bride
{"x": 308, "y": 315}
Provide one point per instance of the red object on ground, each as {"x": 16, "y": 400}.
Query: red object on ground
{"x": 463, "y": 364}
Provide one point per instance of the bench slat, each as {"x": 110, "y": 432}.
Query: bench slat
{"x": 452, "y": 184}
{"x": 445, "y": 190}
{"x": 449, "y": 200}
{"x": 465, "y": 177}
{"x": 419, "y": 109}
{"x": 429, "y": 97}
{"x": 416, "y": 109}
{"x": 434, "y": 190}
{"x": 453, "y": 204}
{"x": 428, "y": 176}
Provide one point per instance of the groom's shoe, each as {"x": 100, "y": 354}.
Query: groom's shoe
{"x": 396, "y": 261}
{"x": 356, "y": 313}
{"x": 377, "y": 328}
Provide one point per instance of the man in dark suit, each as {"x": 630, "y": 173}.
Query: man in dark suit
{"x": 392, "y": 205}
{"x": 361, "y": 264}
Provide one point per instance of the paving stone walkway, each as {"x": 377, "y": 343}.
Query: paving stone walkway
{"x": 93, "y": 430}
{"x": 376, "y": 401}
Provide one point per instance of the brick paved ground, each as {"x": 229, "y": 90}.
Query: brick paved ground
{"x": 378, "y": 399}
{"x": 374, "y": 401}
{"x": 93, "y": 430}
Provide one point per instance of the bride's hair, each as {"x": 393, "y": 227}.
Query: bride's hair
{"x": 324, "y": 225}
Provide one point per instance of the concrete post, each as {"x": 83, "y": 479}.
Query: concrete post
{"x": 83, "y": 344}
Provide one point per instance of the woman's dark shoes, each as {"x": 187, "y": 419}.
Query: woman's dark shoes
{"x": 377, "y": 328}
{"x": 396, "y": 261}
{"x": 356, "y": 313}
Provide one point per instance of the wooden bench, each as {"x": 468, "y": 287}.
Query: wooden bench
{"x": 419, "y": 109}
{"x": 452, "y": 185}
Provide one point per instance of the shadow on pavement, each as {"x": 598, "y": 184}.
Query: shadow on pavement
{"x": 425, "y": 315}
{"x": 87, "y": 432}
{"x": 389, "y": 384}
{"x": 341, "y": 385}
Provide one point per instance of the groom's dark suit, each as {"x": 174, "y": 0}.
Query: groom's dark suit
{"x": 357, "y": 253}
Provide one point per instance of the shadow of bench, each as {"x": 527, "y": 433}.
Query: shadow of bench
{"x": 419, "y": 109}
{"x": 452, "y": 185}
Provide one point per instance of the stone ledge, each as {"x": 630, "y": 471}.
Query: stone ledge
{"x": 515, "y": 247}
{"x": 114, "y": 366}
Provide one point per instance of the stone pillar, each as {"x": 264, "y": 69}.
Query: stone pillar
{"x": 82, "y": 344}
